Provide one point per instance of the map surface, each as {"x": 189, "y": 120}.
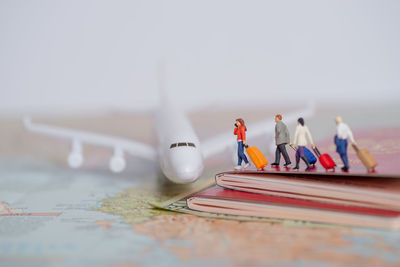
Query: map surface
{"x": 50, "y": 214}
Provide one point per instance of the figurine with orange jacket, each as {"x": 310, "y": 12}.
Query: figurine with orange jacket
{"x": 240, "y": 131}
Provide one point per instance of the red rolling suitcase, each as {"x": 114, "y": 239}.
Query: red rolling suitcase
{"x": 325, "y": 160}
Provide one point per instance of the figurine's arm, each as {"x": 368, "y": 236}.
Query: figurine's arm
{"x": 350, "y": 134}
{"x": 243, "y": 133}
{"x": 296, "y": 136}
{"x": 308, "y": 133}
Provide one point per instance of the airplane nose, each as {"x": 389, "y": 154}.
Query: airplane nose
{"x": 188, "y": 177}
{"x": 189, "y": 171}
{"x": 187, "y": 165}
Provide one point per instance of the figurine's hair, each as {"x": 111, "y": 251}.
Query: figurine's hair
{"x": 301, "y": 121}
{"x": 279, "y": 116}
{"x": 338, "y": 119}
{"x": 242, "y": 123}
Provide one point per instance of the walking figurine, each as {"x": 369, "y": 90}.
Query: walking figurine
{"x": 282, "y": 137}
{"x": 240, "y": 131}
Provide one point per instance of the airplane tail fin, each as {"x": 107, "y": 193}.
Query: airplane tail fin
{"x": 161, "y": 81}
{"x": 310, "y": 109}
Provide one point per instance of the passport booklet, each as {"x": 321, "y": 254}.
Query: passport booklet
{"x": 219, "y": 200}
{"x": 357, "y": 190}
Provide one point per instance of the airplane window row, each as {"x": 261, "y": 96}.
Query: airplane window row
{"x": 182, "y": 144}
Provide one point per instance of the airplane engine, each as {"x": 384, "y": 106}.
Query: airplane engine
{"x": 75, "y": 158}
{"x": 117, "y": 162}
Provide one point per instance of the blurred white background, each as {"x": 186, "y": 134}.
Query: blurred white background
{"x": 64, "y": 56}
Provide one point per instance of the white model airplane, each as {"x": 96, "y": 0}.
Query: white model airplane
{"x": 179, "y": 150}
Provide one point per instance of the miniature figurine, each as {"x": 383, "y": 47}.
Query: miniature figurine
{"x": 282, "y": 138}
{"x": 343, "y": 132}
{"x": 240, "y": 131}
{"x": 300, "y": 140}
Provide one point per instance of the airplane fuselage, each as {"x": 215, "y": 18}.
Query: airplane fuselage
{"x": 179, "y": 147}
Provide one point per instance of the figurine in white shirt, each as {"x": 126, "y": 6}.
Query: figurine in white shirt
{"x": 343, "y": 133}
{"x": 301, "y": 136}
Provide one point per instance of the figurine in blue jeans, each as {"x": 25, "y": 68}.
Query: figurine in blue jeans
{"x": 343, "y": 133}
{"x": 240, "y": 132}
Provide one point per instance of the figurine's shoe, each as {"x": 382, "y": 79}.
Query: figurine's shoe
{"x": 345, "y": 169}
{"x": 287, "y": 164}
{"x": 308, "y": 168}
{"x": 295, "y": 168}
{"x": 238, "y": 167}
{"x": 246, "y": 165}
{"x": 275, "y": 164}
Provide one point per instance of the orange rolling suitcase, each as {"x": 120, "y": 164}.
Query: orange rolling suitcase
{"x": 366, "y": 158}
{"x": 256, "y": 156}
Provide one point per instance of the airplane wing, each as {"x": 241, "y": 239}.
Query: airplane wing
{"x": 221, "y": 142}
{"x": 120, "y": 145}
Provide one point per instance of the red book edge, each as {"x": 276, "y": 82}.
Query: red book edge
{"x": 217, "y": 192}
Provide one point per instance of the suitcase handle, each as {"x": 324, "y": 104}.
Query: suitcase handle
{"x": 315, "y": 149}
{"x": 355, "y": 147}
{"x": 293, "y": 148}
{"x": 246, "y": 146}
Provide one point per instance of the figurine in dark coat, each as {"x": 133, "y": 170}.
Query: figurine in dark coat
{"x": 282, "y": 137}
